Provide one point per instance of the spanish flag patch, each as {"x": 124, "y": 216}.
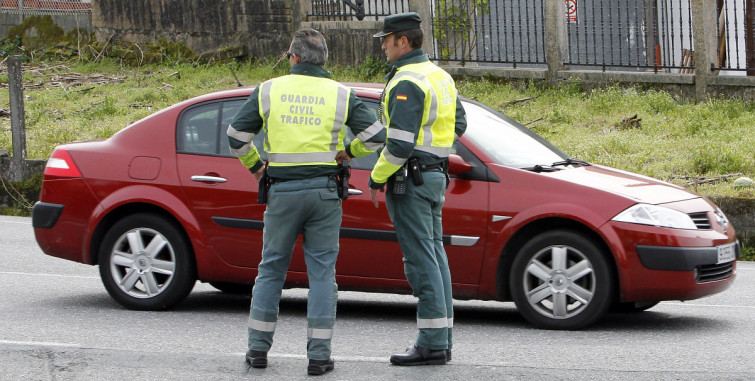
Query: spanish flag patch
{"x": 400, "y": 97}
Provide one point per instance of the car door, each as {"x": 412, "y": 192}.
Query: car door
{"x": 369, "y": 248}
{"x": 222, "y": 193}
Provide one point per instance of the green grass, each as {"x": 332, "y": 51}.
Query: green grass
{"x": 676, "y": 139}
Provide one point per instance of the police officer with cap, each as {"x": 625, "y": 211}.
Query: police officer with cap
{"x": 422, "y": 112}
{"x": 302, "y": 115}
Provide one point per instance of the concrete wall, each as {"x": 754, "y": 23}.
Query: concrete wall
{"x": 260, "y": 27}
{"x": 67, "y": 22}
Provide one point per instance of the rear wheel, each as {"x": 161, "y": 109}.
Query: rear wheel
{"x": 560, "y": 279}
{"x": 145, "y": 263}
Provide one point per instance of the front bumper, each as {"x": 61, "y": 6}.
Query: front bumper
{"x": 678, "y": 258}
{"x": 657, "y": 264}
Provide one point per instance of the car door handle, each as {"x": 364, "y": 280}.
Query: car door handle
{"x": 355, "y": 191}
{"x": 208, "y": 179}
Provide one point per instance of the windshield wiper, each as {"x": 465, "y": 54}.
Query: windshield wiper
{"x": 571, "y": 161}
{"x": 542, "y": 168}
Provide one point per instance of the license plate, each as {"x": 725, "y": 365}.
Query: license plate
{"x": 727, "y": 253}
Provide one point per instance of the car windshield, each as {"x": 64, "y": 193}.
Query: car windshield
{"x": 507, "y": 142}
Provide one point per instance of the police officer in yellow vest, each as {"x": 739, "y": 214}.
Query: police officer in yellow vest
{"x": 302, "y": 115}
{"x": 422, "y": 112}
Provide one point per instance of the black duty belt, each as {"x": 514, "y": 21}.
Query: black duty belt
{"x": 430, "y": 167}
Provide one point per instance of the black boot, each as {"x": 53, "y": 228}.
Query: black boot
{"x": 448, "y": 355}
{"x": 318, "y": 367}
{"x": 417, "y": 355}
{"x": 257, "y": 359}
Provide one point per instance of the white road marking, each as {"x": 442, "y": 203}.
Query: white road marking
{"x": 50, "y": 275}
{"x": 233, "y": 354}
{"x": 16, "y": 222}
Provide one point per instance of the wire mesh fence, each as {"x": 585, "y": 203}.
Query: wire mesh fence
{"x": 45, "y": 7}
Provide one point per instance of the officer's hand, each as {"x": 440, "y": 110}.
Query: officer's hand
{"x": 258, "y": 174}
{"x": 373, "y": 196}
{"x": 342, "y": 155}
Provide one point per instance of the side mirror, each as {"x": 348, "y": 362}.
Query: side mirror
{"x": 457, "y": 165}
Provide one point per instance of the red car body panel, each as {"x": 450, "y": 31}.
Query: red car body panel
{"x": 139, "y": 169}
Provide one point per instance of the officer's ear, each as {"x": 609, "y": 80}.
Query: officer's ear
{"x": 293, "y": 58}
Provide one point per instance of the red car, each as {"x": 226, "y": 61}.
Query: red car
{"x": 162, "y": 204}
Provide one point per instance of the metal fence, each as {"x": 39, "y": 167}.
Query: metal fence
{"x": 637, "y": 34}
{"x": 736, "y": 46}
{"x": 495, "y": 31}
{"x": 344, "y": 10}
{"x": 45, "y": 7}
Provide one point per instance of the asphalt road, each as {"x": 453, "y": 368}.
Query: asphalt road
{"x": 58, "y": 323}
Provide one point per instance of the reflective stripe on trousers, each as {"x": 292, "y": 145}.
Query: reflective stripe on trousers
{"x": 417, "y": 220}
{"x": 310, "y": 207}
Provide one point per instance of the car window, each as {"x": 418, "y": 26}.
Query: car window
{"x": 202, "y": 129}
{"x": 197, "y": 129}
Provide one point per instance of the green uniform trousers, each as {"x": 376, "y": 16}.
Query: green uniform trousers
{"x": 310, "y": 207}
{"x": 416, "y": 216}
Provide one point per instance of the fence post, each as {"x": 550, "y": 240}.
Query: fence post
{"x": 18, "y": 124}
{"x": 555, "y": 37}
{"x": 704, "y": 34}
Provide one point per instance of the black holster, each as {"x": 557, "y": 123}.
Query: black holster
{"x": 344, "y": 172}
{"x": 264, "y": 187}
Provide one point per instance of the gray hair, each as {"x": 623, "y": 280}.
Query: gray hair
{"x": 310, "y": 46}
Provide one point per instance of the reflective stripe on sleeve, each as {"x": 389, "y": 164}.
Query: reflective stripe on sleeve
{"x": 370, "y": 131}
{"x": 432, "y": 323}
{"x": 241, "y": 151}
{"x": 372, "y": 146}
{"x": 240, "y": 135}
{"x": 302, "y": 157}
{"x": 264, "y": 326}
{"x": 450, "y": 322}
{"x": 389, "y": 157}
{"x": 319, "y": 333}
{"x": 404, "y": 136}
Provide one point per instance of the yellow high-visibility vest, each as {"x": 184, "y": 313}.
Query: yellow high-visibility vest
{"x": 436, "y": 134}
{"x": 303, "y": 118}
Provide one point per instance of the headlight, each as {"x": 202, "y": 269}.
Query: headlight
{"x": 656, "y": 216}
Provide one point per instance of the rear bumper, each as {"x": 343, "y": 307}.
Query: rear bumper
{"x": 44, "y": 215}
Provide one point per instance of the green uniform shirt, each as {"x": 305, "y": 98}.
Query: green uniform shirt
{"x": 369, "y": 133}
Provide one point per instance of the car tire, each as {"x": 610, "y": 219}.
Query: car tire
{"x": 233, "y": 288}
{"x": 145, "y": 263}
{"x": 561, "y": 279}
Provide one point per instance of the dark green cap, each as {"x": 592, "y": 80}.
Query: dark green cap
{"x": 398, "y": 23}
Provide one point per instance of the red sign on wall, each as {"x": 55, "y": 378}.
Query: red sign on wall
{"x": 571, "y": 11}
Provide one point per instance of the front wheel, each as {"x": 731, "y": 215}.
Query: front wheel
{"x": 561, "y": 279}
{"x": 145, "y": 263}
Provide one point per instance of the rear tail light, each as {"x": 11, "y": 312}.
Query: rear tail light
{"x": 60, "y": 164}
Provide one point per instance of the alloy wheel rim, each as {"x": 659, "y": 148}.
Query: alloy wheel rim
{"x": 142, "y": 263}
{"x": 559, "y": 282}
